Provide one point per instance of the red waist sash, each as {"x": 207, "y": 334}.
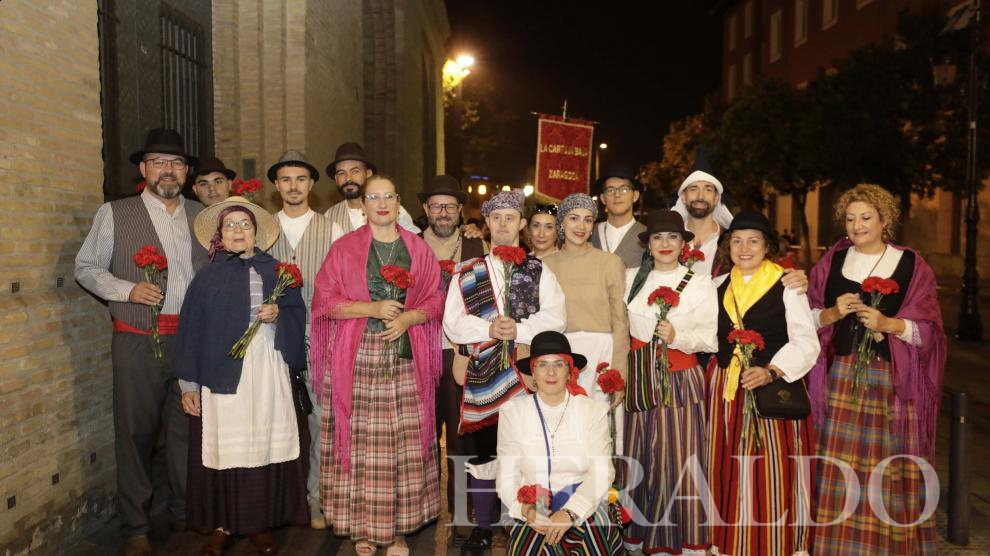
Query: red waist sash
{"x": 677, "y": 358}
{"x": 168, "y": 325}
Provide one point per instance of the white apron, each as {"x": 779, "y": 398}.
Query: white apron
{"x": 596, "y": 347}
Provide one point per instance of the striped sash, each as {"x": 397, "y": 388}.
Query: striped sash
{"x": 488, "y": 384}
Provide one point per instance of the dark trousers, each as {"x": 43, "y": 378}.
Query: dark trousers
{"x": 449, "y": 413}
{"x": 146, "y": 402}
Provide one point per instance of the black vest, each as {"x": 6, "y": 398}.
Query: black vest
{"x": 849, "y": 330}
{"x": 768, "y": 317}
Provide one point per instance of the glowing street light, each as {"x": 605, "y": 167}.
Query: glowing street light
{"x": 506, "y": 188}
{"x": 465, "y": 60}
{"x": 482, "y": 189}
{"x": 528, "y": 189}
{"x": 598, "y": 158}
{"x": 603, "y": 146}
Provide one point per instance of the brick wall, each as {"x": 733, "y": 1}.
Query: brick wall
{"x": 55, "y": 404}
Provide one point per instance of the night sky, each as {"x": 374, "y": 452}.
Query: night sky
{"x": 633, "y": 67}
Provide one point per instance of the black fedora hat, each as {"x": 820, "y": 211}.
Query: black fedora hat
{"x": 210, "y": 164}
{"x": 617, "y": 171}
{"x": 350, "y": 151}
{"x": 295, "y": 158}
{"x": 165, "y": 141}
{"x": 753, "y": 220}
{"x": 664, "y": 220}
{"x": 442, "y": 185}
{"x": 549, "y": 343}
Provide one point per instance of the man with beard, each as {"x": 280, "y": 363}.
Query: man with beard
{"x": 145, "y": 393}
{"x": 699, "y": 202}
{"x": 211, "y": 180}
{"x": 477, "y": 319}
{"x": 442, "y": 203}
{"x": 304, "y": 242}
{"x": 619, "y": 190}
{"x": 350, "y": 169}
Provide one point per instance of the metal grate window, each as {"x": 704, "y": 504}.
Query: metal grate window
{"x": 183, "y": 81}
{"x": 107, "y": 27}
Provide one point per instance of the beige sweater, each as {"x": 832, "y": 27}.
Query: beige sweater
{"x": 593, "y": 284}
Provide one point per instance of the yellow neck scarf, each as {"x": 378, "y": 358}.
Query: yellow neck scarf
{"x": 743, "y": 295}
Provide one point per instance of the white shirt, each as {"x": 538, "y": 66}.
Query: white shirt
{"x": 798, "y": 355}
{"x": 612, "y": 236}
{"x": 858, "y": 266}
{"x": 358, "y": 219}
{"x": 294, "y": 228}
{"x": 580, "y": 450}
{"x": 462, "y": 328}
{"x": 695, "y": 319}
{"x": 710, "y": 249}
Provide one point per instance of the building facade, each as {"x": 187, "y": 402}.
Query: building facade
{"x": 81, "y": 82}
{"x": 792, "y": 41}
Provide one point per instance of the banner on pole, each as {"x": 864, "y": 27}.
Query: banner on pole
{"x": 563, "y": 156}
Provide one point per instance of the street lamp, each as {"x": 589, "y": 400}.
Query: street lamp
{"x": 598, "y": 159}
{"x": 528, "y": 189}
{"x": 482, "y": 189}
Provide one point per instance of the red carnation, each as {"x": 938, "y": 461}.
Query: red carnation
{"x": 611, "y": 381}
{"x": 293, "y": 273}
{"x": 690, "y": 256}
{"x": 601, "y": 366}
{"x": 154, "y": 264}
{"x": 883, "y": 286}
{"x": 665, "y": 295}
{"x": 745, "y": 337}
{"x": 509, "y": 253}
{"x": 527, "y": 494}
{"x": 447, "y": 266}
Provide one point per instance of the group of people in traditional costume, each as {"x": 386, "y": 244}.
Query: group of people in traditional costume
{"x": 333, "y": 411}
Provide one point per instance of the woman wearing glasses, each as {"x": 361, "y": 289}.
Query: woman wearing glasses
{"x": 542, "y": 230}
{"x": 376, "y": 360}
{"x": 593, "y": 282}
{"x": 246, "y": 473}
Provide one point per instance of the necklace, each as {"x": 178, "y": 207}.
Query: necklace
{"x": 882, "y": 253}
{"x": 553, "y": 432}
{"x": 457, "y": 245}
{"x": 391, "y": 251}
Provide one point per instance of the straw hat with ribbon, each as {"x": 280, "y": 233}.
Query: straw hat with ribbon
{"x": 208, "y": 221}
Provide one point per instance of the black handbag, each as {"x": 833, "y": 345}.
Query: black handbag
{"x": 783, "y": 400}
{"x": 300, "y": 395}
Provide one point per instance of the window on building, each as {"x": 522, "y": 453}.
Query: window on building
{"x": 730, "y": 82}
{"x": 731, "y": 31}
{"x": 107, "y": 30}
{"x": 747, "y": 77}
{"x": 775, "y": 38}
{"x": 800, "y": 22}
{"x": 748, "y": 19}
{"x": 830, "y": 13}
{"x": 183, "y": 81}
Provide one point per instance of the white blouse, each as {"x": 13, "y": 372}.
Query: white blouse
{"x": 858, "y": 266}
{"x": 695, "y": 319}
{"x": 580, "y": 451}
{"x": 798, "y": 355}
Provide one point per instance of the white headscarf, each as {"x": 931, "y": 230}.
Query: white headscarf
{"x": 721, "y": 214}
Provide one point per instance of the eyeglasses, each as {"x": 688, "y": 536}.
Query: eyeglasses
{"x": 437, "y": 208}
{"x": 621, "y": 190}
{"x": 558, "y": 365}
{"x": 231, "y": 225}
{"x": 545, "y": 209}
{"x": 159, "y": 163}
{"x": 389, "y": 198}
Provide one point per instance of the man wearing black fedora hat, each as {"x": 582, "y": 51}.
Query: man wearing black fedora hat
{"x": 305, "y": 240}
{"x": 443, "y": 200}
{"x": 350, "y": 169}
{"x": 211, "y": 180}
{"x": 145, "y": 393}
{"x": 619, "y": 189}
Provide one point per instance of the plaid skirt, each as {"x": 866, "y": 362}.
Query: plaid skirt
{"x": 776, "y": 487}
{"x": 390, "y": 489}
{"x": 663, "y": 440}
{"x": 858, "y": 430}
{"x": 595, "y": 537}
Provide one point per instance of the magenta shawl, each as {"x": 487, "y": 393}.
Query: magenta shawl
{"x": 334, "y": 343}
{"x": 917, "y": 371}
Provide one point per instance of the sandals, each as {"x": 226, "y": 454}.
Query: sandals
{"x": 365, "y": 548}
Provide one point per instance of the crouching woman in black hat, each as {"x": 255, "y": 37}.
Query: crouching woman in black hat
{"x": 557, "y": 439}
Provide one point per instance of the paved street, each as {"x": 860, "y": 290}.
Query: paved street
{"x": 966, "y": 372}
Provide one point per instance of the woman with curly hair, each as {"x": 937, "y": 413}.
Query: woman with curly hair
{"x": 882, "y": 402}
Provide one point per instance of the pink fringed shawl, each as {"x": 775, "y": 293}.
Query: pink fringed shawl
{"x": 917, "y": 371}
{"x": 334, "y": 342}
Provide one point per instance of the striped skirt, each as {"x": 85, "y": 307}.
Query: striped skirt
{"x": 595, "y": 537}
{"x": 664, "y": 441}
{"x": 390, "y": 489}
{"x": 859, "y": 431}
{"x": 773, "y": 487}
